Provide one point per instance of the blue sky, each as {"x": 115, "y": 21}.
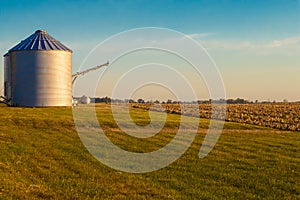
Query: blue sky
{"x": 255, "y": 44}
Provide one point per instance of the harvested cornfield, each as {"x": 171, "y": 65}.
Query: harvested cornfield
{"x": 284, "y": 116}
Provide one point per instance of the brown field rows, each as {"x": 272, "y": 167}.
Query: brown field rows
{"x": 284, "y": 116}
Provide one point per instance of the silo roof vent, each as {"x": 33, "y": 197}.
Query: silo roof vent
{"x": 40, "y": 40}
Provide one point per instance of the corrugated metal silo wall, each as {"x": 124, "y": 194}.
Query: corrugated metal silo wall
{"x": 41, "y": 78}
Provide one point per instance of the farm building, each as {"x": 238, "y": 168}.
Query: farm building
{"x": 85, "y": 100}
{"x": 38, "y": 72}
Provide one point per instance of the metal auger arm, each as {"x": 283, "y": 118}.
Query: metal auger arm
{"x": 74, "y": 76}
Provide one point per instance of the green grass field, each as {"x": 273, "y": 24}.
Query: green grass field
{"x": 42, "y": 157}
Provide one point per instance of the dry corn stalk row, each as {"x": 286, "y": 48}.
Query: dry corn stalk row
{"x": 284, "y": 116}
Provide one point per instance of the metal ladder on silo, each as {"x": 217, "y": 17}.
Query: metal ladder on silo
{"x": 4, "y": 100}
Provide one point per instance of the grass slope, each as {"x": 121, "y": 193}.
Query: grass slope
{"x": 42, "y": 157}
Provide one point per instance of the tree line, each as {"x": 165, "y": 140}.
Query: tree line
{"x": 169, "y": 101}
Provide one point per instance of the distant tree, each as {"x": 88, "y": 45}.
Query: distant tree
{"x": 131, "y": 101}
{"x": 102, "y": 100}
{"x": 107, "y": 99}
{"x": 141, "y": 101}
{"x": 230, "y": 101}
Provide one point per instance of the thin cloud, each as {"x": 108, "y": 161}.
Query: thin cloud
{"x": 200, "y": 35}
{"x": 265, "y": 47}
{"x": 285, "y": 42}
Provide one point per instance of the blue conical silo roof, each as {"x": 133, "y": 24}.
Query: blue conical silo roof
{"x": 40, "y": 40}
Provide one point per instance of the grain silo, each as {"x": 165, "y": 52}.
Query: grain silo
{"x": 39, "y": 72}
{"x": 85, "y": 100}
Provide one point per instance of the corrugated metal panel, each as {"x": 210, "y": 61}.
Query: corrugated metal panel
{"x": 41, "y": 78}
{"x": 40, "y": 40}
